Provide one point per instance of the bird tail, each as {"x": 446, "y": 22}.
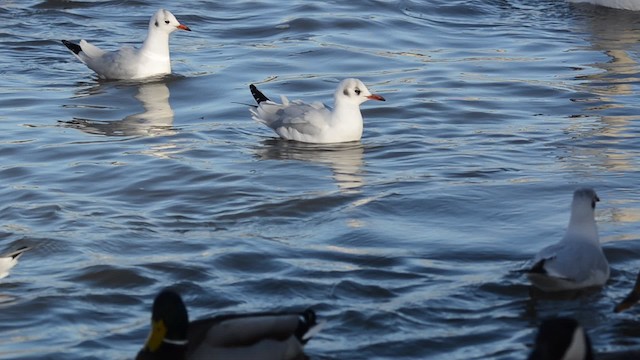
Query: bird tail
{"x": 308, "y": 326}
{"x": 75, "y": 48}
{"x": 257, "y": 94}
{"x": 16, "y": 254}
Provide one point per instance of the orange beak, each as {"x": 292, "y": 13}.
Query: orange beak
{"x": 375, "y": 97}
{"x": 183, "y": 27}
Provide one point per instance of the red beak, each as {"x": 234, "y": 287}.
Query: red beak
{"x": 375, "y": 97}
{"x": 183, "y": 27}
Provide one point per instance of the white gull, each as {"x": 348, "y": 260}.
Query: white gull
{"x": 316, "y": 123}
{"x": 577, "y": 261}
{"x": 128, "y": 63}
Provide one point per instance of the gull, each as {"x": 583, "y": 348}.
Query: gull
{"x": 577, "y": 261}
{"x": 316, "y": 123}
{"x": 266, "y": 336}
{"x": 7, "y": 261}
{"x": 151, "y": 59}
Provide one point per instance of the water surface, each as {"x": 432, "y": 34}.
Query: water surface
{"x": 408, "y": 242}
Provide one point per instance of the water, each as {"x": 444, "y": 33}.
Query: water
{"x": 407, "y": 242}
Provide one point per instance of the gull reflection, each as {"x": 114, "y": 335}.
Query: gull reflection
{"x": 155, "y": 120}
{"x": 345, "y": 160}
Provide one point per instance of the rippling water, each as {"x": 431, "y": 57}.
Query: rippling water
{"x": 407, "y": 242}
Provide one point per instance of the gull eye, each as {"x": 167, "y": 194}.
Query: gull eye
{"x": 167, "y": 21}
{"x": 357, "y": 91}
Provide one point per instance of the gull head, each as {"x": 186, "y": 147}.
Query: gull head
{"x": 355, "y": 92}
{"x": 584, "y": 200}
{"x": 163, "y": 20}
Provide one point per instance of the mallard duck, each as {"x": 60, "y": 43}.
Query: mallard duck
{"x": 577, "y": 261}
{"x": 151, "y": 59}
{"x": 563, "y": 338}
{"x": 316, "y": 123}
{"x": 266, "y": 336}
{"x": 7, "y": 261}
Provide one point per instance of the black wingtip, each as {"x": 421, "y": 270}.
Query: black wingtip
{"x": 538, "y": 268}
{"x": 257, "y": 94}
{"x": 73, "y": 47}
{"x": 16, "y": 254}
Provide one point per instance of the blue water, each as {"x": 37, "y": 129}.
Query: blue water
{"x": 407, "y": 242}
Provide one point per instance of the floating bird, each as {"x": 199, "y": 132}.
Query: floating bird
{"x": 7, "y": 261}
{"x": 561, "y": 339}
{"x": 616, "y": 4}
{"x": 151, "y": 59}
{"x": 316, "y": 122}
{"x": 577, "y": 261}
{"x": 266, "y": 336}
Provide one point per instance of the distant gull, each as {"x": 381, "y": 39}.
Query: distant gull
{"x": 266, "y": 336}
{"x": 561, "y": 339}
{"x": 616, "y": 4}
{"x": 577, "y": 261}
{"x": 7, "y": 261}
{"x": 128, "y": 63}
{"x": 316, "y": 123}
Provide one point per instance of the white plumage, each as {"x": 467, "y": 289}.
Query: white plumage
{"x": 577, "y": 261}
{"x": 128, "y": 63}
{"x": 7, "y": 261}
{"x": 316, "y": 122}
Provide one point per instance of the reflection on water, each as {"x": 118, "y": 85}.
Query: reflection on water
{"x": 615, "y": 34}
{"x": 155, "y": 120}
{"x": 345, "y": 159}
{"x": 607, "y": 142}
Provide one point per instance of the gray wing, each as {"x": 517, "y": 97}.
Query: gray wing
{"x": 293, "y": 117}
{"x": 572, "y": 260}
{"x": 120, "y": 64}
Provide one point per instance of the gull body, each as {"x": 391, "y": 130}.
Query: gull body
{"x": 577, "y": 261}
{"x": 128, "y": 63}
{"x": 266, "y": 336}
{"x": 316, "y": 123}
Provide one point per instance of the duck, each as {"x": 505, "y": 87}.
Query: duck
{"x": 577, "y": 261}
{"x": 316, "y": 123}
{"x": 150, "y": 60}
{"x": 9, "y": 260}
{"x": 561, "y": 338}
{"x": 266, "y": 336}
